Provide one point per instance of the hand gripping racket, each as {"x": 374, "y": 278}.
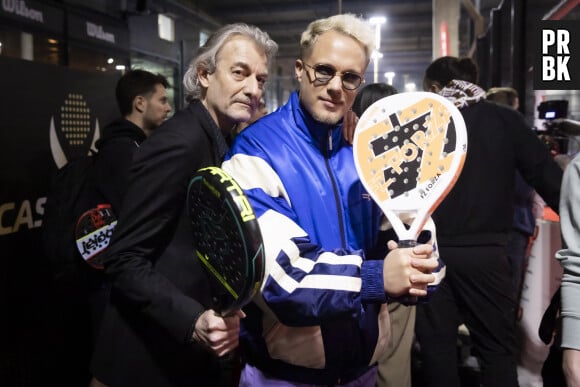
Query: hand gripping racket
{"x": 409, "y": 150}
{"x": 93, "y": 233}
{"x": 227, "y": 238}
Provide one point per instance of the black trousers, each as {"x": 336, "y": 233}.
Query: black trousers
{"x": 477, "y": 291}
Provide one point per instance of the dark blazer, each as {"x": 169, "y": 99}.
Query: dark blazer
{"x": 158, "y": 287}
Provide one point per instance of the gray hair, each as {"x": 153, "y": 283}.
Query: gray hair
{"x": 348, "y": 24}
{"x": 207, "y": 55}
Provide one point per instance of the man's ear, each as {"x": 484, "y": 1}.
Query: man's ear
{"x": 298, "y": 69}
{"x": 139, "y": 103}
{"x": 435, "y": 87}
{"x": 202, "y": 78}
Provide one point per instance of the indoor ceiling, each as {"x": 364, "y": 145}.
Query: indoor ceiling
{"x": 406, "y": 41}
{"x": 406, "y": 37}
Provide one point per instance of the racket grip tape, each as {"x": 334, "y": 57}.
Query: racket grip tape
{"x": 407, "y": 243}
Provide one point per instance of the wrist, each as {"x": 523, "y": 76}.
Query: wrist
{"x": 193, "y": 336}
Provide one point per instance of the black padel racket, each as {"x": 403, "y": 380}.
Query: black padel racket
{"x": 409, "y": 150}
{"x": 93, "y": 233}
{"x": 227, "y": 238}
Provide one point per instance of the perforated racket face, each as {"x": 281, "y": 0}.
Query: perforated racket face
{"x": 93, "y": 233}
{"x": 227, "y": 238}
{"x": 409, "y": 149}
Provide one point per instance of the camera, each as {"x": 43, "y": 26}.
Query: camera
{"x": 550, "y": 110}
{"x": 557, "y": 129}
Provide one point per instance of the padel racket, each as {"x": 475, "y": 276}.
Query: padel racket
{"x": 227, "y": 238}
{"x": 409, "y": 150}
{"x": 93, "y": 233}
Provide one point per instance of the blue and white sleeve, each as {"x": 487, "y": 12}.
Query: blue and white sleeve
{"x": 304, "y": 284}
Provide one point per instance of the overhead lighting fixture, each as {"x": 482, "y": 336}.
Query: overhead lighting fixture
{"x": 377, "y": 21}
{"x": 166, "y": 27}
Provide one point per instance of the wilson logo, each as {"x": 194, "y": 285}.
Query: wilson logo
{"x": 21, "y": 9}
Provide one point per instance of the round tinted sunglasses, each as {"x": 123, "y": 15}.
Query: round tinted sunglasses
{"x": 323, "y": 73}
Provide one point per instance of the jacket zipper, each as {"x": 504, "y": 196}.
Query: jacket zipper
{"x": 327, "y": 153}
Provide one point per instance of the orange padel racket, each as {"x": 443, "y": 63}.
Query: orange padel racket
{"x": 409, "y": 150}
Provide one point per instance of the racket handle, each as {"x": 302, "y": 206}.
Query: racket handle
{"x": 407, "y": 300}
{"x": 407, "y": 243}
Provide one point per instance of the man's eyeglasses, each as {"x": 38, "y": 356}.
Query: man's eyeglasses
{"x": 323, "y": 73}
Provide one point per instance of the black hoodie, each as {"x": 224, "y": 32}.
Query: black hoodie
{"x": 115, "y": 148}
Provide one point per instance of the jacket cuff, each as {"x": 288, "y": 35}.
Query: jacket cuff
{"x": 373, "y": 287}
{"x": 569, "y": 313}
{"x": 190, "y": 334}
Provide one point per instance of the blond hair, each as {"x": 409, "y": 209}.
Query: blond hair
{"x": 347, "y": 24}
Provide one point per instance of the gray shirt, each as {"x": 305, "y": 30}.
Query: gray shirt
{"x": 569, "y": 256}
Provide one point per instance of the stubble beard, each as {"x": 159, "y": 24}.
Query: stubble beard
{"x": 327, "y": 118}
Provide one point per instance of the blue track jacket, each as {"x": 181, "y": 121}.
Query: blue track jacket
{"x": 321, "y": 316}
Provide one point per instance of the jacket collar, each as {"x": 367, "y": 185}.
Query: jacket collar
{"x": 327, "y": 138}
{"x": 121, "y": 128}
{"x": 210, "y": 127}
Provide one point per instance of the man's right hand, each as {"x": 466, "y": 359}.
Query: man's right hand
{"x": 407, "y": 271}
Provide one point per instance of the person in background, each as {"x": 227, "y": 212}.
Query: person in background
{"x": 524, "y": 222}
{"x": 507, "y": 96}
{"x": 321, "y": 316}
{"x": 370, "y": 94}
{"x": 568, "y": 130}
{"x": 569, "y": 257}
{"x": 473, "y": 225}
{"x": 142, "y": 101}
{"x": 559, "y": 325}
{"x": 159, "y": 328}
{"x": 143, "y": 104}
{"x": 394, "y": 367}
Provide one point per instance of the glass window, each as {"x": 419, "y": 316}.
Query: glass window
{"x": 203, "y": 36}
{"x": 94, "y": 60}
{"x": 30, "y": 46}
